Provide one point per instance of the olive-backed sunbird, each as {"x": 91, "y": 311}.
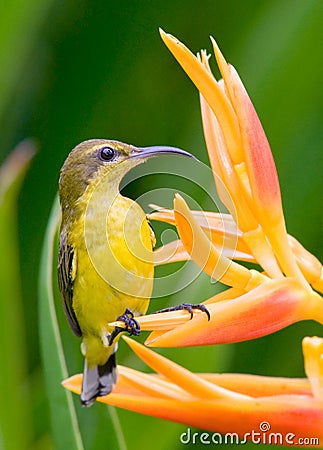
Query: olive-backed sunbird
{"x": 105, "y": 264}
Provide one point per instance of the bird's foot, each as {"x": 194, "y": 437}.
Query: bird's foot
{"x": 187, "y": 307}
{"x": 131, "y": 326}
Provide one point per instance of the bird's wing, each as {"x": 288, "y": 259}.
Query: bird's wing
{"x": 67, "y": 261}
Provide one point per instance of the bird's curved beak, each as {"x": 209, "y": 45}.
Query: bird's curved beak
{"x": 147, "y": 152}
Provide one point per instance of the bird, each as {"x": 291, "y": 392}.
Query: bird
{"x": 105, "y": 261}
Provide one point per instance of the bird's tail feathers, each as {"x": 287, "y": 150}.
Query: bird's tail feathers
{"x": 99, "y": 380}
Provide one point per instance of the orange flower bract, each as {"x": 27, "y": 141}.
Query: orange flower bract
{"x": 227, "y": 403}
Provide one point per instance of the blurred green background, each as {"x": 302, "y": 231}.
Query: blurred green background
{"x": 74, "y": 70}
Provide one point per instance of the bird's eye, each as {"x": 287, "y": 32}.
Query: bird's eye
{"x": 107, "y": 153}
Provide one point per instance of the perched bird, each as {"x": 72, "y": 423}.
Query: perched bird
{"x": 105, "y": 265}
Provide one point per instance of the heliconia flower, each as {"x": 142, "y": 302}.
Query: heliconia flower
{"x": 259, "y": 302}
{"x": 241, "y": 157}
{"x": 266, "y": 410}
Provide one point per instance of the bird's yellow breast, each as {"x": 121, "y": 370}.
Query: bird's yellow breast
{"x": 114, "y": 268}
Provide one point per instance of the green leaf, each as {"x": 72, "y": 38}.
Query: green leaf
{"x": 65, "y": 430}
{"x": 15, "y": 402}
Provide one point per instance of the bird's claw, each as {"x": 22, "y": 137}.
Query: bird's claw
{"x": 131, "y": 326}
{"x": 187, "y": 307}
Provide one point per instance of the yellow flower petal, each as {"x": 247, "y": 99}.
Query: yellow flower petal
{"x": 205, "y": 254}
{"x": 313, "y": 355}
{"x": 222, "y": 166}
{"x": 175, "y": 251}
{"x": 188, "y": 381}
{"x": 310, "y": 266}
{"x": 208, "y": 86}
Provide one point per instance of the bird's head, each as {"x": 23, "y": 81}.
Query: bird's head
{"x": 98, "y": 159}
